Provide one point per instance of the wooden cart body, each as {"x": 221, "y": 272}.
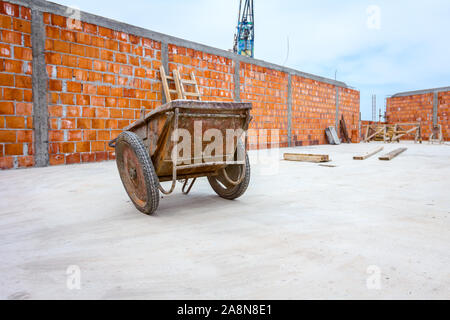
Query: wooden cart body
{"x": 164, "y": 129}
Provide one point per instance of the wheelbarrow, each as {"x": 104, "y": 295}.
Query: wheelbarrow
{"x": 180, "y": 141}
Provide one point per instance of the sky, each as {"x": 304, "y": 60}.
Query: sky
{"x": 378, "y": 47}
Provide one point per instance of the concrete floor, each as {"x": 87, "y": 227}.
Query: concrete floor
{"x": 301, "y": 231}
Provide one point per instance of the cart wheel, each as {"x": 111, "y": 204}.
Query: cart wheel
{"x": 136, "y": 172}
{"x": 225, "y": 189}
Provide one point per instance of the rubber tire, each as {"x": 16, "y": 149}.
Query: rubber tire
{"x": 236, "y": 191}
{"x": 150, "y": 177}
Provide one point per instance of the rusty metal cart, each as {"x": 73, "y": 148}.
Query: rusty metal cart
{"x": 147, "y": 151}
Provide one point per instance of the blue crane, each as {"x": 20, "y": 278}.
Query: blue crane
{"x": 245, "y": 31}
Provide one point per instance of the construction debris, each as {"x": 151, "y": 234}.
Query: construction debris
{"x": 436, "y": 134}
{"x": 392, "y": 132}
{"x": 317, "y": 158}
{"x": 391, "y": 155}
{"x": 368, "y": 154}
{"x": 344, "y": 132}
{"x": 332, "y": 136}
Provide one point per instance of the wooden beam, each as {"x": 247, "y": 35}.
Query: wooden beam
{"x": 306, "y": 157}
{"x": 368, "y": 154}
{"x": 391, "y": 155}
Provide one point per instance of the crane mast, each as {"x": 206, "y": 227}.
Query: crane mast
{"x": 245, "y": 31}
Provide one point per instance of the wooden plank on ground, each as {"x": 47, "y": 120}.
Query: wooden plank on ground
{"x": 368, "y": 154}
{"x": 306, "y": 157}
{"x": 391, "y": 155}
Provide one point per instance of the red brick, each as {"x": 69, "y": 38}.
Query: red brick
{"x": 24, "y": 136}
{"x": 23, "y": 53}
{"x": 88, "y": 112}
{"x": 74, "y": 135}
{"x": 23, "y": 82}
{"x": 52, "y": 58}
{"x": 11, "y": 37}
{"x": 84, "y": 146}
{"x": 12, "y": 94}
{"x": 92, "y": 52}
{"x": 78, "y": 50}
{"x": 56, "y": 159}
{"x": 73, "y": 158}
{"x": 6, "y": 162}
{"x": 58, "y": 21}
{"x": 83, "y": 100}
{"x": 67, "y": 147}
{"x": 55, "y": 85}
{"x": 83, "y": 123}
{"x": 6, "y": 107}
{"x": 6, "y": 80}
{"x": 7, "y": 136}
{"x": 55, "y": 111}
{"x": 22, "y": 25}
{"x": 13, "y": 66}
{"x": 24, "y": 109}
{"x": 27, "y": 161}
{"x": 69, "y": 61}
{"x": 98, "y": 123}
{"x": 74, "y": 87}
{"x": 85, "y": 63}
{"x": 14, "y": 149}
{"x": 5, "y": 22}
{"x": 81, "y": 75}
{"x": 52, "y": 32}
{"x": 101, "y": 112}
{"x": 68, "y": 123}
{"x": 98, "y": 146}
{"x": 89, "y": 28}
{"x": 5, "y": 50}
{"x": 83, "y": 38}
{"x": 64, "y": 73}
{"x": 61, "y": 46}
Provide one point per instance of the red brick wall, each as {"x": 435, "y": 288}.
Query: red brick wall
{"x": 214, "y": 74}
{"x": 313, "y": 110}
{"x": 99, "y": 79}
{"x": 419, "y": 108}
{"x": 16, "y": 122}
{"x": 349, "y": 107}
{"x": 267, "y": 90}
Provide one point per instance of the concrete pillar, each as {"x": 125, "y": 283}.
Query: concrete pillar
{"x": 435, "y": 108}
{"x": 237, "y": 81}
{"x": 40, "y": 90}
{"x": 337, "y": 110}
{"x": 289, "y": 110}
{"x": 165, "y": 64}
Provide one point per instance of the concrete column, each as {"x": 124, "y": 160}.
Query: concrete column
{"x": 165, "y": 63}
{"x": 337, "y": 110}
{"x": 289, "y": 109}
{"x": 435, "y": 108}
{"x": 237, "y": 81}
{"x": 40, "y": 90}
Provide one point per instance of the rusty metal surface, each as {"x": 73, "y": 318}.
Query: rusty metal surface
{"x": 131, "y": 170}
{"x": 156, "y": 128}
